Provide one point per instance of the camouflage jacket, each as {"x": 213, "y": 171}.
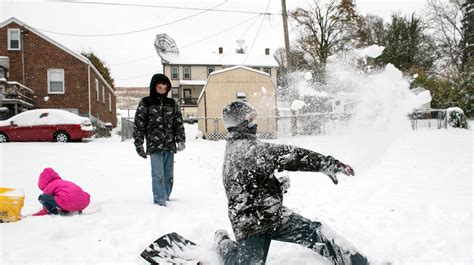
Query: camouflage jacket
{"x": 253, "y": 192}
{"x": 159, "y": 121}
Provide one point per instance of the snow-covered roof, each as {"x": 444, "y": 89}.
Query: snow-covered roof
{"x": 71, "y": 52}
{"x": 193, "y": 82}
{"x": 224, "y": 59}
{"x": 227, "y": 70}
{"x": 236, "y": 67}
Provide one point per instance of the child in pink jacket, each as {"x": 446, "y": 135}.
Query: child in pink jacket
{"x": 60, "y": 196}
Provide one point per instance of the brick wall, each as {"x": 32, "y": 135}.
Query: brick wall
{"x": 39, "y": 56}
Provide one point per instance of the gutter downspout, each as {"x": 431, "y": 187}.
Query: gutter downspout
{"x": 22, "y": 42}
{"x": 89, "y": 88}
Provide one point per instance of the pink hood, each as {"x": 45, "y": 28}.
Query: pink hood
{"x": 68, "y": 195}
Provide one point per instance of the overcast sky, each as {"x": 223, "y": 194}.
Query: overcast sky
{"x": 132, "y": 57}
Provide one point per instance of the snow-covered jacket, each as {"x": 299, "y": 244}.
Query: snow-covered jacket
{"x": 158, "y": 119}
{"x": 68, "y": 195}
{"x": 254, "y": 193}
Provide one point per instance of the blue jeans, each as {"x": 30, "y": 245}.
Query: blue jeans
{"x": 162, "y": 176}
{"x": 294, "y": 228}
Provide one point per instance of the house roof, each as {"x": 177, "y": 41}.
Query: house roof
{"x": 224, "y": 59}
{"x": 57, "y": 44}
{"x": 228, "y": 70}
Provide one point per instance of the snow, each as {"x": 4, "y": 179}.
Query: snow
{"x": 12, "y": 193}
{"x": 297, "y": 104}
{"x": 224, "y": 59}
{"x": 45, "y": 117}
{"x": 308, "y": 76}
{"x": 410, "y": 201}
{"x": 372, "y": 51}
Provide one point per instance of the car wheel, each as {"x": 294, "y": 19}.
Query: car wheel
{"x": 3, "y": 138}
{"x": 61, "y": 137}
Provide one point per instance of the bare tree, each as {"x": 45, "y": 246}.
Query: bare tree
{"x": 371, "y": 31}
{"x": 324, "y": 29}
{"x": 445, "y": 20}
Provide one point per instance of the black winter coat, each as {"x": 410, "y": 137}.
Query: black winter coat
{"x": 159, "y": 121}
{"x": 254, "y": 193}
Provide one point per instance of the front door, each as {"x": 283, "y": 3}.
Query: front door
{"x": 187, "y": 96}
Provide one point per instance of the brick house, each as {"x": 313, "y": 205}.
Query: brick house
{"x": 59, "y": 77}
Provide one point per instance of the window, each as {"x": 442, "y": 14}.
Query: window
{"x": 14, "y": 39}
{"x": 56, "y": 81}
{"x": 110, "y": 102}
{"x": 267, "y": 70}
{"x": 97, "y": 89}
{"x": 241, "y": 96}
{"x": 175, "y": 92}
{"x": 103, "y": 94}
{"x": 174, "y": 72}
{"x": 186, "y": 72}
{"x": 210, "y": 69}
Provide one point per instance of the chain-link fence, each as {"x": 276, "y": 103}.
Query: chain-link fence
{"x": 126, "y": 128}
{"x": 269, "y": 127}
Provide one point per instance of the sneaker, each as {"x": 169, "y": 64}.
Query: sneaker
{"x": 220, "y": 235}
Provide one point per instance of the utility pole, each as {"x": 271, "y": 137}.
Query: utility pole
{"x": 288, "y": 63}
{"x": 285, "y": 31}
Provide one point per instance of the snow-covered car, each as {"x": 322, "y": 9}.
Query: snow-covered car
{"x": 45, "y": 125}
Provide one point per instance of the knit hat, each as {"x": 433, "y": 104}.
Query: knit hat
{"x": 237, "y": 113}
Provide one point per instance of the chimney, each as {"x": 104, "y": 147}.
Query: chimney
{"x": 267, "y": 51}
{"x": 221, "y": 50}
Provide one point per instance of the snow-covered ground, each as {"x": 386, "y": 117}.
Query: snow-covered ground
{"x": 409, "y": 203}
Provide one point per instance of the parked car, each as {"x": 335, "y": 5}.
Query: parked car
{"x": 45, "y": 125}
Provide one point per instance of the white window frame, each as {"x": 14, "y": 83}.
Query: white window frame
{"x": 184, "y": 73}
{"x": 177, "y": 72}
{"x": 51, "y": 70}
{"x": 110, "y": 102}
{"x": 103, "y": 94}
{"x": 268, "y": 70}
{"x": 9, "y": 39}
{"x": 97, "y": 94}
{"x": 209, "y": 68}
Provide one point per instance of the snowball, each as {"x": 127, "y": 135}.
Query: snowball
{"x": 297, "y": 104}
{"x": 415, "y": 75}
{"x": 46, "y": 98}
{"x": 308, "y": 76}
{"x": 373, "y": 51}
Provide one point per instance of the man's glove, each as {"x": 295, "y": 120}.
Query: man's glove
{"x": 180, "y": 146}
{"x": 141, "y": 151}
{"x": 284, "y": 183}
{"x": 343, "y": 168}
{"x": 338, "y": 167}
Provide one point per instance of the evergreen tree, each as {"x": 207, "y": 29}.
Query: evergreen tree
{"x": 406, "y": 45}
{"x": 100, "y": 66}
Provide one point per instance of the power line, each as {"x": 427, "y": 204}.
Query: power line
{"x": 190, "y": 44}
{"x": 134, "y": 31}
{"x": 256, "y": 35}
{"x": 218, "y": 33}
{"x": 160, "y": 6}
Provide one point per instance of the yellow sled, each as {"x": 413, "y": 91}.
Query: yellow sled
{"x": 11, "y": 202}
